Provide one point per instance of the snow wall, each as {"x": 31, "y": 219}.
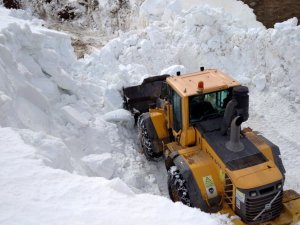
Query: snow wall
{"x": 68, "y": 153}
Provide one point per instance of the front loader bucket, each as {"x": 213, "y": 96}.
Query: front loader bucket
{"x": 137, "y": 99}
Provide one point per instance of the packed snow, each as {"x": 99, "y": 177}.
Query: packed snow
{"x": 169, "y": 9}
{"x": 69, "y": 153}
{"x": 32, "y": 193}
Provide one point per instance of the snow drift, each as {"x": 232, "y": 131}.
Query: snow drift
{"x": 168, "y": 9}
{"x": 57, "y": 141}
{"x": 64, "y": 134}
{"x": 34, "y": 194}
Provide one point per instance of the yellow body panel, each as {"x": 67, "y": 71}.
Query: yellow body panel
{"x": 188, "y": 137}
{"x": 208, "y": 149}
{"x": 159, "y": 122}
{"x": 202, "y": 166}
{"x": 168, "y": 115}
{"x": 174, "y": 146}
{"x": 256, "y": 176}
{"x": 185, "y": 113}
{"x": 260, "y": 144}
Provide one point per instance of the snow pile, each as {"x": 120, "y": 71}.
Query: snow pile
{"x": 34, "y": 194}
{"x": 67, "y": 135}
{"x": 40, "y": 92}
{"x": 102, "y": 20}
{"x": 203, "y": 36}
{"x": 168, "y": 9}
{"x": 287, "y": 24}
{"x": 57, "y": 148}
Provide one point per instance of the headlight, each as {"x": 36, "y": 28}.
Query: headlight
{"x": 253, "y": 193}
{"x": 279, "y": 186}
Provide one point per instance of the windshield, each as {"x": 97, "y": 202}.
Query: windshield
{"x": 210, "y": 105}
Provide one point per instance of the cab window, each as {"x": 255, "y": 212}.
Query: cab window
{"x": 177, "y": 114}
{"x": 210, "y": 105}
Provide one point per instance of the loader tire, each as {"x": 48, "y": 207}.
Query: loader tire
{"x": 151, "y": 145}
{"x": 177, "y": 187}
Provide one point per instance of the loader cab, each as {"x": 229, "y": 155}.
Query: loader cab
{"x": 191, "y": 103}
{"x": 188, "y": 111}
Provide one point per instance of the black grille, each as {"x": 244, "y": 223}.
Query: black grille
{"x": 255, "y": 205}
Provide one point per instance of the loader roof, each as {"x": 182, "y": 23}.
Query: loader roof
{"x": 213, "y": 80}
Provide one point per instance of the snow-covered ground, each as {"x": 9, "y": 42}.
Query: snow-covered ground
{"x": 69, "y": 153}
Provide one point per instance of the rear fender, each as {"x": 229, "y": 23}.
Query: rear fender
{"x": 270, "y": 150}
{"x": 276, "y": 154}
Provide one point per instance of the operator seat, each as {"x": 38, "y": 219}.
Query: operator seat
{"x": 201, "y": 109}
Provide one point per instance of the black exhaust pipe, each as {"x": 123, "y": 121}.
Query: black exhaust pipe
{"x": 235, "y": 144}
{"x": 237, "y": 106}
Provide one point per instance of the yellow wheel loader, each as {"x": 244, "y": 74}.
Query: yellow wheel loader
{"x": 193, "y": 122}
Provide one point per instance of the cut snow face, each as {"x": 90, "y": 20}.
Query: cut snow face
{"x": 202, "y": 37}
{"x": 65, "y": 120}
{"x": 167, "y": 10}
{"x": 56, "y": 135}
{"x": 90, "y": 23}
{"x": 65, "y": 111}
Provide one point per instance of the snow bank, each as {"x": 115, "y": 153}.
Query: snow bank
{"x": 203, "y": 37}
{"x": 168, "y": 10}
{"x": 101, "y": 165}
{"x": 67, "y": 127}
{"x": 58, "y": 150}
{"x": 41, "y": 92}
{"x": 32, "y": 193}
{"x": 287, "y": 24}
